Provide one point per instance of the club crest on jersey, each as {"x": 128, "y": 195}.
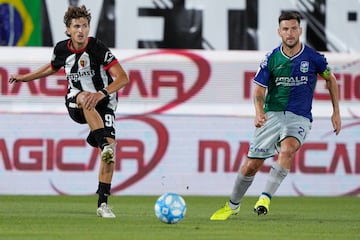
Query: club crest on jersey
{"x": 304, "y": 66}
{"x": 82, "y": 63}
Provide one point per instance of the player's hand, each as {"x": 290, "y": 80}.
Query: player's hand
{"x": 260, "y": 120}
{"x": 92, "y": 99}
{"x": 15, "y": 78}
{"x": 336, "y": 122}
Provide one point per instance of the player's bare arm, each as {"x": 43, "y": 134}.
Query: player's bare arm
{"x": 332, "y": 86}
{"x": 259, "y": 101}
{"x": 41, "y": 72}
{"x": 120, "y": 80}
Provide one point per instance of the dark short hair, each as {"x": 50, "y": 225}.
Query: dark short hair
{"x": 74, "y": 12}
{"x": 290, "y": 15}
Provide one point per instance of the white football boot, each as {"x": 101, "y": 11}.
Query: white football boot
{"x": 104, "y": 211}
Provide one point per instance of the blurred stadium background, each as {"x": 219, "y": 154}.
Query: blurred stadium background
{"x": 184, "y": 122}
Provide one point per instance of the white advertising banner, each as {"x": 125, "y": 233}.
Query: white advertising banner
{"x": 184, "y": 124}
{"x": 194, "y": 155}
{"x": 172, "y": 82}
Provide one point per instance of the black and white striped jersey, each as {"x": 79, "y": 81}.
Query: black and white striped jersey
{"x": 86, "y": 69}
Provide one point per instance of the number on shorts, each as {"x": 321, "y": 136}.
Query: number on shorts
{"x": 301, "y": 131}
{"x": 109, "y": 120}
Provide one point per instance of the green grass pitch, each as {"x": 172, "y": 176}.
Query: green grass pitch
{"x": 74, "y": 217}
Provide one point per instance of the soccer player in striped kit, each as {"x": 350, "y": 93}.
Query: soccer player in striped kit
{"x": 283, "y": 94}
{"x": 94, "y": 78}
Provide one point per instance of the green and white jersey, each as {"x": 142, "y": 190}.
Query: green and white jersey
{"x": 290, "y": 81}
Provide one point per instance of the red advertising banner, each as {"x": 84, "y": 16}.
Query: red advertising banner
{"x": 183, "y": 124}
{"x": 194, "y": 155}
{"x": 172, "y": 81}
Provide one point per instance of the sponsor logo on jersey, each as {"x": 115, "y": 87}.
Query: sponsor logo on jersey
{"x": 75, "y": 76}
{"x": 291, "y": 81}
{"x": 108, "y": 57}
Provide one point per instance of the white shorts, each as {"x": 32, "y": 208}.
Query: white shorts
{"x": 278, "y": 126}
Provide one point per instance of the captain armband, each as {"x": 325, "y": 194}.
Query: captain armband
{"x": 326, "y": 73}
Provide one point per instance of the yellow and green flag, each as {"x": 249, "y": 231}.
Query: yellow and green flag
{"x": 20, "y": 23}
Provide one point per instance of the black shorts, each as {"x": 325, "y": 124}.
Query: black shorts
{"x": 107, "y": 116}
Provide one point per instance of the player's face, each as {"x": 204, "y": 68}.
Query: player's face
{"x": 289, "y": 31}
{"x": 79, "y": 31}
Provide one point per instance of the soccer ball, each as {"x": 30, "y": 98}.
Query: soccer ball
{"x": 170, "y": 208}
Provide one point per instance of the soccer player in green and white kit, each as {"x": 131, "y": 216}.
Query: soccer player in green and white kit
{"x": 283, "y": 94}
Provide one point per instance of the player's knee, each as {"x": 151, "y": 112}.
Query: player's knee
{"x": 81, "y": 98}
{"x": 288, "y": 151}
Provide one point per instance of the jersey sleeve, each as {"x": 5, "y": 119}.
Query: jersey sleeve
{"x": 59, "y": 55}
{"x": 105, "y": 56}
{"x": 322, "y": 65}
{"x": 56, "y": 60}
{"x": 263, "y": 74}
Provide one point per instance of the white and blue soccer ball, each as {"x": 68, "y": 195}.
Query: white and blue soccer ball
{"x": 170, "y": 208}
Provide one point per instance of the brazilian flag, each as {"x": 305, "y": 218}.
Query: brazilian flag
{"x": 20, "y": 23}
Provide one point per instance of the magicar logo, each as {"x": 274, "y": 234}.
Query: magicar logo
{"x": 164, "y": 79}
{"x": 159, "y": 80}
{"x": 137, "y": 154}
{"x": 329, "y": 167}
